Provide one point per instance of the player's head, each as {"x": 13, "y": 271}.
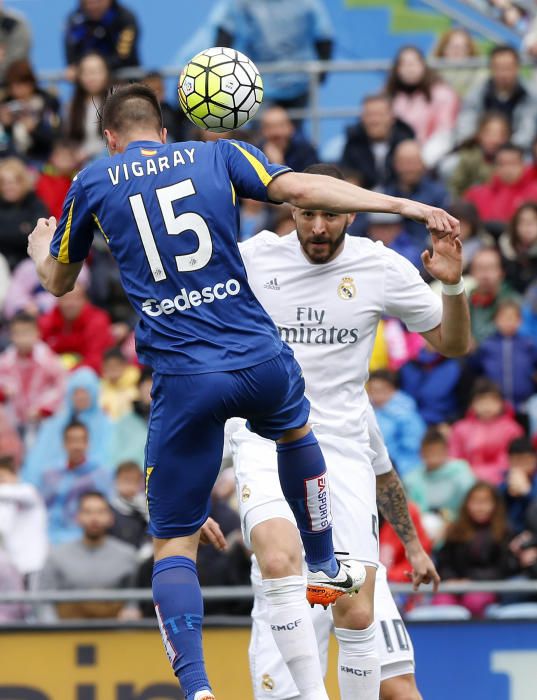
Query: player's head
{"x": 131, "y": 113}
{"x": 321, "y": 233}
{"x": 94, "y": 515}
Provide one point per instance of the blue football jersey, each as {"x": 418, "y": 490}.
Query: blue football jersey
{"x": 170, "y": 215}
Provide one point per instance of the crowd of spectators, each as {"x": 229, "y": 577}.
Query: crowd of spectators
{"x": 74, "y": 402}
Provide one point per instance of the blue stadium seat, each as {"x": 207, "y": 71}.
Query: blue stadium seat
{"x": 515, "y": 611}
{"x": 435, "y": 613}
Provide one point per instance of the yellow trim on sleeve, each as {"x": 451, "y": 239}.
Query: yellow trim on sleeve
{"x": 100, "y": 228}
{"x": 259, "y": 168}
{"x": 63, "y": 254}
{"x": 233, "y": 194}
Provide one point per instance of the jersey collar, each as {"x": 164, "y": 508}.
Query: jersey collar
{"x": 144, "y": 144}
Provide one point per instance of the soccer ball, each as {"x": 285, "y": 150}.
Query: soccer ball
{"x": 220, "y": 89}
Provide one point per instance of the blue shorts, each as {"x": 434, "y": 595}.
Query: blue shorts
{"x": 185, "y": 438}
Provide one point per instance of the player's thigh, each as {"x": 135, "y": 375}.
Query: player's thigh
{"x": 183, "y": 452}
{"x": 394, "y": 645}
{"x": 400, "y": 687}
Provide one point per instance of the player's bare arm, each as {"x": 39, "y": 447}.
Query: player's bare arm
{"x": 57, "y": 278}
{"x": 330, "y": 194}
{"x": 393, "y": 505}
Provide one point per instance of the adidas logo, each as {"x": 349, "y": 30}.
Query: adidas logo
{"x": 272, "y": 284}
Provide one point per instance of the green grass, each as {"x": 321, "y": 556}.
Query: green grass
{"x": 405, "y": 20}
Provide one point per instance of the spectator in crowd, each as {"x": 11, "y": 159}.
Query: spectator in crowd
{"x": 484, "y": 434}
{"x": 518, "y": 246}
{"x": 519, "y": 489}
{"x": 473, "y": 234}
{"x": 62, "y": 486}
{"x": 392, "y": 551}
{"x": 20, "y": 208}
{"x": 11, "y": 581}
{"x": 456, "y": 45}
{"x": 391, "y": 230}
{"x": 105, "y": 27}
{"x": 29, "y": 116}
{"x": 81, "y": 405}
{"x": 475, "y": 157}
{"x": 77, "y": 329}
{"x": 129, "y": 432}
{"x": 32, "y": 378}
{"x": 433, "y": 382}
{"x": 524, "y": 545}
{"x": 423, "y": 100}
{"x": 529, "y": 311}
{"x": 255, "y": 217}
{"x": 510, "y": 185}
{"x": 94, "y": 561}
{"x": 128, "y": 505}
{"x": 507, "y": 357}
{"x": 370, "y": 143}
{"x": 282, "y": 143}
{"x": 174, "y": 120}
{"x": 15, "y": 39}
{"x": 412, "y": 181}
{"x": 119, "y": 384}
{"x": 505, "y": 92}
{"x": 5, "y": 279}
{"x": 82, "y": 124}
{"x": 11, "y": 447}
{"x": 394, "y": 346}
{"x": 476, "y": 548}
{"x": 441, "y": 483}
{"x": 56, "y": 176}
{"x": 23, "y": 521}
{"x": 401, "y": 425}
{"x": 266, "y": 32}
{"x": 489, "y": 291}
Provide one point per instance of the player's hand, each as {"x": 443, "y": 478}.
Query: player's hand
{"x": 423, "y": 569}
{"x": 445, "y": 263}
{"x": 212, "y": 534}
{"x": 437, "y": 220}
{"x": 40, "y": 238}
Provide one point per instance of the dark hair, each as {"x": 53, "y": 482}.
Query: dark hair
{"x": 384, "y": 375}
{"x": 131, "y": 105}
{"x": 20, "y": 71}
{"x": 463, "y": 528}
{"x": 508, "y": 304}
{"x": 23, "y": 317}
{"x": 92, "y": 494}
{"x": 73, "y": 425}
{"x": 483, "y": 386}
{"x": 77, "y": 109}
{"x": 520, "y": 446}
{"x": 325, "y": 169}
{"x": 433, "y": 436}
{"x": 394, "y": 84}
{"x": 377, "y": 97}
{"x": 512, "y": 228}
{"x": 509, "y": 148}
{"x": 114, "y": 354}
{"x": 503, "y": 48}
{"x": 7, "y": 462}
{"x": 127, "y": 466}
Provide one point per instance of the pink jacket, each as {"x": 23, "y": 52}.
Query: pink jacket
{"x": 31, "y": 386}
{"x": 484, "y": 443}
{"x": 428, "y": 118}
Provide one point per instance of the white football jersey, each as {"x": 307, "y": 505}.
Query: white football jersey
{"x": 328, "y": 314}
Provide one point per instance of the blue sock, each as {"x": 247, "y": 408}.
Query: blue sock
{"x": 179, "y": 608}
{"x": 302, "y": 473}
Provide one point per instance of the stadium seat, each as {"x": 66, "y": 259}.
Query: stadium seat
{"x": 515, "y": 611}
{"x": 435, "y": 613}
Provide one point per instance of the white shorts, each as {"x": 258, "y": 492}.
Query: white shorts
{"x": 270, "y": 676}
{"x": 352, "y": 491}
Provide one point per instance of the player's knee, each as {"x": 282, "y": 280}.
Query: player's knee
{"x": 356, "y": 615}
{"x": 278, "y": 564}
{"x": 400, "y": 688}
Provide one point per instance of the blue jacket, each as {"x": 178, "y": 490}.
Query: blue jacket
{"x": 516, "y": 506}
{"x": 511, "y": 363}
{"x": 402, "y": 429}
{"x": 431, "y": 379}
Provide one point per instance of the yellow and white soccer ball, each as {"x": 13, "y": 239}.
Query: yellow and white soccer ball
{"x": 220, "y": 89}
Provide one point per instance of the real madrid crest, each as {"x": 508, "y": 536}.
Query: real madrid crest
{"x": 267, "y": 682}
{"x": 245, "y": 493}
{"x": 346, "y": 289}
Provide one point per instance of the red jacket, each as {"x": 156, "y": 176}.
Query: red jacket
{"x": 497, "y": 201}
{"x": 87, "y": 337}
{"x": 52, "y": 190}
{"x": 484, "y": 443}
{"x": 392, "y": 552}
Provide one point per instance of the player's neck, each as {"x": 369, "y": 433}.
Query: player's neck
{"x": 135, "y": 136}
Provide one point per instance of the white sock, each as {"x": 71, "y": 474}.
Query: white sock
{"x": 358, "y": 664}
{"x": 293, "y": 632}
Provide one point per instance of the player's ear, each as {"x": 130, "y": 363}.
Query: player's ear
{"x": 293, "y": 212}
{"x": 110, "y": 141}
{"x": 350, "y": 219}
{"x": 163, "y": 135}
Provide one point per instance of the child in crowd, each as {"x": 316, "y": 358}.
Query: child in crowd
{"x": 476, "y": 548}
{"x": 484, "y": 434}
{"x": 56, "y": 176}
{"x": 119, "y": 384}
{"x": 507, "y": 357}
{"x": 519, "y": 488}
{"x": 440, "y": 485}
{"x": 128, "y": 505}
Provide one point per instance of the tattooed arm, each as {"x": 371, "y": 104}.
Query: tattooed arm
{"x": 392, "y": 503}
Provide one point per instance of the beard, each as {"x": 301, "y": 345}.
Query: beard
{"x": 327, "y": 252}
